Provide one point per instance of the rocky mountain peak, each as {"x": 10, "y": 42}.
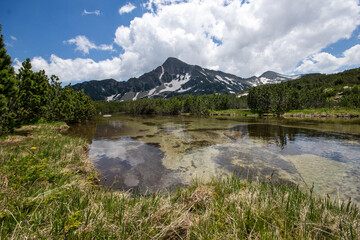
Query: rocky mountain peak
{"x": 269, "y": 75}
{"x": 175, "y": 77}
{"x": 174, "y": 66}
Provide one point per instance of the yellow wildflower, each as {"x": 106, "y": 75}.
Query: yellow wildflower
{"x": 33, "y": 147}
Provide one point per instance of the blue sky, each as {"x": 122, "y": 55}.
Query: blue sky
{"x": 91, "y": 39}
{"x": 41, "y": 26}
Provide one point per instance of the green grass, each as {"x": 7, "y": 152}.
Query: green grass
{"x": 312, "y": 112}
{"x": 242, "y": 112}
{"x": 326, "y": 112}
{"x": 51, "y": 193}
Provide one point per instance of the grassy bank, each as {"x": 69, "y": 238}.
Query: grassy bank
{"x": 305, "y": 113}
{"x": 48, "y": 190}
{"x": 232, "y": 112}
{"x": 325, "y": 112}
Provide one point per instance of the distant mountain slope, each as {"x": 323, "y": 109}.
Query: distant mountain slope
{"x": 99, "y": 90}
{"x": 173, "y": 78}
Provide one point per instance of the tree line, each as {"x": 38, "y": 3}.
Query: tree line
{"x": 310, "y": 91}
{"x": 27, "y": 96}
{"x": 193, "y": 104}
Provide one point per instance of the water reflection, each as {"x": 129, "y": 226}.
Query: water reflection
{"x": 137, "y": 164}
{"x": 150, "y": 153}
{"x": 278, "y": 135}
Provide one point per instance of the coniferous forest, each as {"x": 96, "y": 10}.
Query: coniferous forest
{"x": 310, "y": 91}
{"x": 192, "y": 104}
{"x": 28, "y": 96}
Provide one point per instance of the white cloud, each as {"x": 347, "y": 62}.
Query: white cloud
{"x": 83, "y": 44}
{"x": 254, "y": 37}
{"x": 126, "y": 8}
{"x": 13, "y": 38}
{"x": 74, "y": 70}
{"x": 325, "y": 62}
{"x": 96, "y": 12}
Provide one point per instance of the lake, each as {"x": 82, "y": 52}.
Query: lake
{"x": 152, "y": 153}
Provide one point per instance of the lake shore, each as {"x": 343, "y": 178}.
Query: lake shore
{"x": 49, "y": 189}
{"x": 305, "y": 113}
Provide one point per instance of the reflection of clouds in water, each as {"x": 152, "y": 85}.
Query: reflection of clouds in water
{"x": 137, "y": 164}
{"x": 111, "y": 149}
{"x": 118, "y": 149}
{"x": 332, "y": 149}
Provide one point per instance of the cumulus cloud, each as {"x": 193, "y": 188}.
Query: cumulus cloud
{"x": 126, "y": 8}
{"x": 96, "y": 12}
{"x": 254, "y": 37}
{"x": 74, "y": 70}
{"x": 325, "y": 62}
{"x": 83, "y": 44}
{"x": 13, "y": 38}
{"x": 240, "y": 37}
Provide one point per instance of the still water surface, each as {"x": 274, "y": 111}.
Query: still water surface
{"x": 153, "y": 153}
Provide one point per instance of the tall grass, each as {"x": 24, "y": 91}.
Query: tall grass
{"x": 48, "y": 190}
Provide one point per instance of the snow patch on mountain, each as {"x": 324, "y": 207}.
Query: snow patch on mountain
{"x": 184, "y": 90}
{"x": 162, "y": 73}
{"x": 264, "y": 80}
{"x": 151, "y": 92}
{"x": 110, "y": 98}
{"x": 222, "y": 80}
{"x": 176, "y": 84}
{"x": 136, "y": 95}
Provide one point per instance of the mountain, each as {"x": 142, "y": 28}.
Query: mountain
{"x": 98, "y": 90}
{"x": 173, "y": 78}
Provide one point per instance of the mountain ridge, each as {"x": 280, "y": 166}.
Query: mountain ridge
{"x": 175, "y": 77}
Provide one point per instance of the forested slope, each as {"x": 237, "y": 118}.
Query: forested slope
{"x": 310, "y": 91}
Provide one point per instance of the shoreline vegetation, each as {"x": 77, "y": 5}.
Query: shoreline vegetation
{"x": 49, "y": 190}
{"x": 305, "y": 113}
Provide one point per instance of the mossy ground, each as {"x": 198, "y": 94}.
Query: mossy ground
{"x": 48, "y": 190}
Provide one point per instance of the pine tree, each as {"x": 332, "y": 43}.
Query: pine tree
{"x": 34, "y": 90}
{"x": 8, "y": 89}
